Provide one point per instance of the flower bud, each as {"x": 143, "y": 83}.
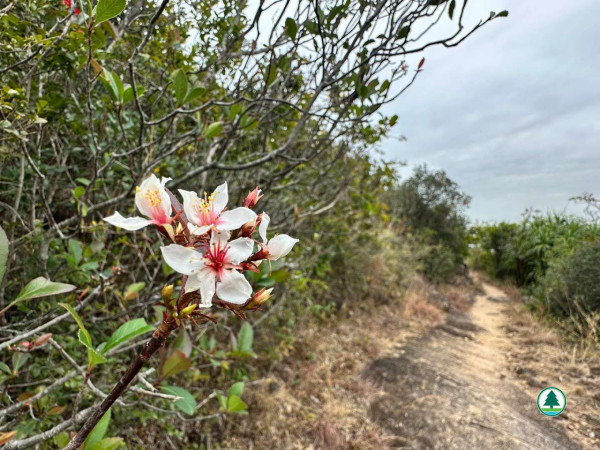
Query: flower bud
{"x": 248, "y": 228}
{"x": 259, "y": 298}
{"x": 189, "y": 309}
{"x": 42, "y": 339}
{"x": 166, "y": 292}
{"x": 252, "y": 198}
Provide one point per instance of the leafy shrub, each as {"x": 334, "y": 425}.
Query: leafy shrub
{"x": 571, "y": 285}
{"x": 432, "y": 206}
{"x": 554, "y": 258}
{"x": 493, "y": 250}
{"x": 523, "y": 252}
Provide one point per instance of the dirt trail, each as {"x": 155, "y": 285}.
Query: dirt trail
{"x": 452, "y": 388}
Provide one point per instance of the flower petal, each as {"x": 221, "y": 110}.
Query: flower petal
{"x": 199, "y": 231}
{"x": 127, "y": 223}
{"x": 239, "y": 250}
{"x": 262, "y": 228}
{"x": 280, "y": 246}
{"x": 190, "y": 205}
{"x": 234, "y": 288}
{"x": 184, "y": 260}
{"x": 141, "y": 198}
{"x": 219, "y": 238}
{"x": 205, "y": 281}
{"x": 166, "y": 200}
{"x": 231, "y": 220}
{"x": 220, "y": 199}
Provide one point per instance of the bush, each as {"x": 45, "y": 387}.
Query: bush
{"x": 523, "y": 252}
{"x": 432, "y": 206}
{"x": 570, "y": 287}
{"x": 493, "y": 250}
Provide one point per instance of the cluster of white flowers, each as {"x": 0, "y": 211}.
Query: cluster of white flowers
{"x": 213, "y": 262}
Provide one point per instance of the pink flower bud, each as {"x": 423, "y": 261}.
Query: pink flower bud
{"x": 252, "y": 198}
{"x": 42, "y": 339}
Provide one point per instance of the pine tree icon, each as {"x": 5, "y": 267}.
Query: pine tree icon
{"x": 551, "y": 400}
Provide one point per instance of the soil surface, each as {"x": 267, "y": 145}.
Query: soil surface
{"x": 451, "y": 388}
{"x": 456, "y": 366}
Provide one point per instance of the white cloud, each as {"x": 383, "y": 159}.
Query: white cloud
{"x": 513, "y": 114}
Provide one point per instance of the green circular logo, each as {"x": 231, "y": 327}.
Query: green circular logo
{"x": 551, "y": 401}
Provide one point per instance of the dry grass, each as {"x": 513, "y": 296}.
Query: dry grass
{"x": 460, "y": 297}
{"x": 316, "y": 397}
{"x": 538, "y": 347}
{"x": 420, "y": 310}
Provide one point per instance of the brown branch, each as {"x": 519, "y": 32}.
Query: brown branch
{"x": 157, "y": 341}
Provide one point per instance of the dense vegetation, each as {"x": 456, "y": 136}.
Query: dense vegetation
{"x": 432, "y": 206}
{"x": 93, "y": 101}
{"x": 555, "y": 258}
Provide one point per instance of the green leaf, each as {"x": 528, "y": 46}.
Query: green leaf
{"x": 62, "y": 439}
{"x": 127, "y": 331}
{"x": 194, "y": 93}
{"x": 91, "y": 265}
{"x": 312, "y": 27}
{"x": 236, "y": 405}
{"x": 4, "y": 245}
{"x": 187, "y": 402}
{"x": 108, "y": 79}
{"x": 39, "y": 287}
{"x": 363, "y": 91}
{"x": 180, "y": 85}
{"x": 291, "y": 29}
{"x": 502, "y": 14}
{"x": 87, "y": 338}
{"x": 176, "y": 363}
{"x": 128, "y": 93}
{"x": 18, "y": 360}
{"x": 335, "y": 11}
{"x": 451, "y": 9}
{"x": 119, "y": 86}
{"x": 84, "y": 338}
{"x": 107, "y": 9}
{"x": 236, "y": 389}
{"x": 98, "y": 432}
{"x": 107, "y": 444}
{"x": 78, "y": 191}
{"x": 403, "y": 32}
{"x": 213, "y": 130}
{"x": 235, "y": 110}
{"x": 271, "y": 74}
{"x": 5, "y": 368}
{"x": 245, "y": 338}
{"x": 245, "y": 354}
{"x": 75, "y": 250}
{"x": 94, "y": 358}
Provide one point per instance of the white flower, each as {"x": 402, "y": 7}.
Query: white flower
{"x": 152, "y": 201}
{"x": 280, "y": 245}
{"x": 208, "y": 213}
{"x": 215, "y": 271}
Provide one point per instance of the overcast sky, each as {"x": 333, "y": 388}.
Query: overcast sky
{"x": 513, "y": 113}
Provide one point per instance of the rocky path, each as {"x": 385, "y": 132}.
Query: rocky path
{"x": 451, "y": 388}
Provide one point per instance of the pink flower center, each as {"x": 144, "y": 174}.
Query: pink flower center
{"x": 154, "y": 200}
{"x": 216, "y": 257}
{"x": 205, "y": 211}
